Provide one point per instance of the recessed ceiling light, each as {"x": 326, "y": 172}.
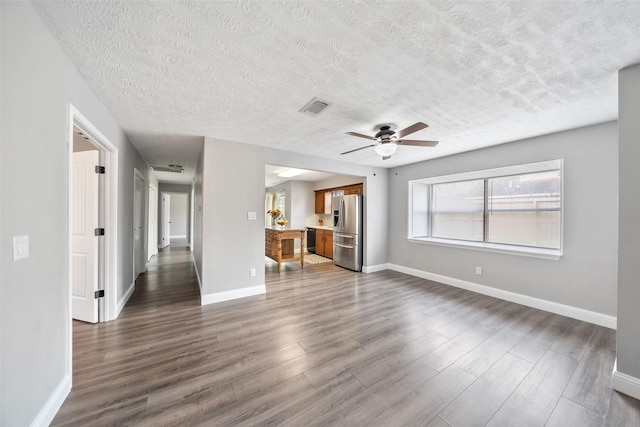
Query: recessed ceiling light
{"x": 288, "y": 173}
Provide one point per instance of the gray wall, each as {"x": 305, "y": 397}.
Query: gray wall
{"x": 303, "y": 203}
{"x": 38, "y": 83}
{"x": 231, "y": 245}
{"x": 585, "y": 276}
{"x": 629, "y": 247}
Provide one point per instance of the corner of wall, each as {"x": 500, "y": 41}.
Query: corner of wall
{"x": 625, "y": 383}
{"x": 48, "y": 412}
{"x": 233, "y": 294}
{"x": 125, "y": 298}
{"x": 375, "y": 268}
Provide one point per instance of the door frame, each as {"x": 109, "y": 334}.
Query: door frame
{"x": 152, "y": 231}
{"x": 190, "y": 218}
{"x": 163, "y": 218}
{"x": 141, "y": 255}
{"x": 108, "y": 210}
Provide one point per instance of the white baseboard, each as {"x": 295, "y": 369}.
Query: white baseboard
{"x": 550, "y": 306}
{"x": 233, "y": 294}
{"x": 125, "y": 298}
{"x": 625, "y": 383}
{"x": 53, "y": 404}
{"x": 374, "y": 268}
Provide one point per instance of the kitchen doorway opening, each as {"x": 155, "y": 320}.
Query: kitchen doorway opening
{"x": 305, "y": 200}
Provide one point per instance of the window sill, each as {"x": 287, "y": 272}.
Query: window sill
{"x": 553, "y": 254}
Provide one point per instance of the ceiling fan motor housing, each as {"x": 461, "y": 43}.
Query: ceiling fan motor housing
{"x": 385, "y": 133}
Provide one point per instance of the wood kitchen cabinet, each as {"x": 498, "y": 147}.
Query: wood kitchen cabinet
{"x": 324, "y": 243}
{"x": 319, "y": 202}
{"x": 323, "y": 202}
{"x": 353, "y": 189}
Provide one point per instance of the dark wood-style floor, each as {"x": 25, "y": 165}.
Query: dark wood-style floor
{"x": 326, "y": 346}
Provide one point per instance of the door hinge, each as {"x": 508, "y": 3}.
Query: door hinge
{"x": 100, "y": 169}
{"x": 99, "y": 293}
{"x": 98, "y": 231}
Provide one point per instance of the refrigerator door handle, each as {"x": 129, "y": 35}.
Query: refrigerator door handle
{"x": 344, "y": 246}
{"x": 344, "y": 236}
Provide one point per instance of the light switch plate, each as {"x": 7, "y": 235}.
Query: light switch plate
{"x": 251, "y": 216}
{"x": 20, "y": 247}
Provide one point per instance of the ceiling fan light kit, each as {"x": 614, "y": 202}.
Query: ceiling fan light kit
{"x": 387, "y": 140}
{"x": 386, "y": 149}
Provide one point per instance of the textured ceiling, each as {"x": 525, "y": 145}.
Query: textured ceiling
{"x": 479, "y": 72}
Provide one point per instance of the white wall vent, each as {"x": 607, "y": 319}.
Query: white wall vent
{"x": 170, "y": 168}
{"x": 314, "y": 107}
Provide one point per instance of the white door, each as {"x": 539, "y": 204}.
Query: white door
{"x": 165, "y": 212}
{"x": 152, "y": 245}
{"x": 84, "y": 250}
{"x": 138, "y": 221}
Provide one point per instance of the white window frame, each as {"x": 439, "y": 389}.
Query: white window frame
{"x": 531, "y": 251}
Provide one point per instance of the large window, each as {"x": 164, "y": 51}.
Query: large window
{"x": 517, "y": 208}
{"x": 457, "y": 209}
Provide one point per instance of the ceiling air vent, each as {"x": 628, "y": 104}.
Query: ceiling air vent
{"x": 169, "y": 168}
{"x": 314, "y": 107}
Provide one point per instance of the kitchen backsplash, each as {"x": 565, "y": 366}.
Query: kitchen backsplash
{"x": 319, "y": 220}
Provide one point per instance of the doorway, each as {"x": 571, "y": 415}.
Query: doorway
{"x": 165, "y": 220}
{"x": 85, "y": 252}
{"x": 175, "y": 219}
{"x": 98, "y": 273}
{"x": 139, "y": 261}
{"x": 103, "y": 219}
{"x": 152, "y": 244}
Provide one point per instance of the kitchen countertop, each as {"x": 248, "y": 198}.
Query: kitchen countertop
{"x": 320, "y": 227}
{"x": 286, "y": 228}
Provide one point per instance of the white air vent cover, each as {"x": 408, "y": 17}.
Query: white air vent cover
{"x": 314, "y": 107}
{"x": 170, "y": 168}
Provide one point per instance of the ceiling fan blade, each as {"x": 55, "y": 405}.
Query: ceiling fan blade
{"x": 411, "y": 129}
{"x": 358, "y": 149}
{"x": 386, "y": 157}
{"x": 360, "y": 135}
{"x": 417, "y": 142}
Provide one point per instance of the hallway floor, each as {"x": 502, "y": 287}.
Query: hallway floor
{"x": 326, "y": 346}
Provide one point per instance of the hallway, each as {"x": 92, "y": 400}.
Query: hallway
{"x": 326, "y": 346}
{"x": 117, "y": 364}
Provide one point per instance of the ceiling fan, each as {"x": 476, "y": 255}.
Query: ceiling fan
{"x": 387, "y": 140}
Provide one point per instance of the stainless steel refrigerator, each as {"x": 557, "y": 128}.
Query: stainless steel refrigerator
{"x": 347, "y": 231}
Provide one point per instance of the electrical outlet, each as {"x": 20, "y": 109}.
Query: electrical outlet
{"x": 252, "y": 272}
{"x": 478, "y": 271}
